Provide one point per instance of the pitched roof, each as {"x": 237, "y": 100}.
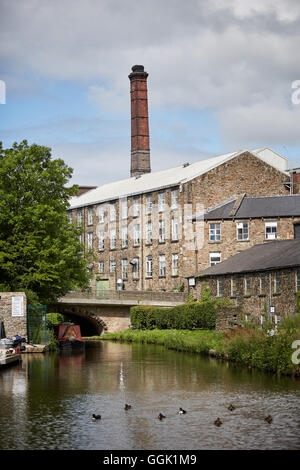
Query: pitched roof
{"x": 170, "y": 177}
{"x": 256, "y": 207}
{"x": 264, "y": 257}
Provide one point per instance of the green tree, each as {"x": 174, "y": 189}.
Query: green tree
{"x": 40, "y": 250}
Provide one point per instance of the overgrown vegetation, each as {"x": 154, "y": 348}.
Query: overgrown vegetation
{"x": 250, "y": 346}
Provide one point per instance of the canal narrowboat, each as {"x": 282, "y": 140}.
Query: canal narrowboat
{"x": 69, "y": 337}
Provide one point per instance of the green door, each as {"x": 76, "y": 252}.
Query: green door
{"x": 102, "y": 289}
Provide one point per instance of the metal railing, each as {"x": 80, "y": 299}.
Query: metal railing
{"x": 136, "y": 296}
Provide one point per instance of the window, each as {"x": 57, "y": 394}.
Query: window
{"x": 242, "y": 230}
{"x": 124, "y": 268}
{"x": 174, "y": 264}
{"x": 214, "y": 232}
{"x": 233, "y": 287}
{"x": 112, "y": 266}
{"x": 219, "y": 287}
{"x": 90, "y": 216}
{"x": 101, "y": 241}
{"x": 113, "y": 239}
{"x": 112, "y": 212}
{"x": 262, "y": 319}
{"x": 162, "y": 231}
{"x": 124, "y": 209}
{"x": 101, "y": 267}
{"x": 174, "y": 228}
{"x": 136, "y": 207}
{"x": 174, "y": 199}
{"x": 262, "y": 284}
{"x": 124, "y": 237}
{"x": 277, "y": 283}
{"x": 298, "y": 280}
{"x": 277, "y": 319}
{"x": 90, "y": 240}
{"x": 161, "y": 202}
{"x": 148, "y": 204}
{"x": 162, "y": 265}
{"x": 101, "y": 214}
{"x": 149, "y": 266}
{"x": 79, "y": 217}
{"x": 247, "y": 286}
{"x": 214, "y": 258}
{"x": 136, "y": 268}
{"x": 70, "y": 217}
{"x": 247, "y": 318}
{"x": 136, "y": 235}
{"x": 149, "y": 232}
{"x": 271, "y": 230}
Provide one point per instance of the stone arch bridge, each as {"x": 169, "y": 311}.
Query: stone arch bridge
{"x": 109, "y": 311}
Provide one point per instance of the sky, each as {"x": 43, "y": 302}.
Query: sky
{"x": 223, "y": 76}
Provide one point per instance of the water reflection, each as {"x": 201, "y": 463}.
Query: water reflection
{"x": 47, "y": 402}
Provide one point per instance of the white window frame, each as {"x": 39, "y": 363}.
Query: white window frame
{"x": 162, "y": 265}
{"x": 79, "y": 217}
{"x": 220, "y": 287}
{"x": 124, "y": 236}
{"x": 124, "y": 262}
{"x": 276, "y": 282}
{"x": 124, "y": 209}
{"x": 136, "y": 207}
{"x": 148, "y": 204}
{"x": 212, "y": 255}
{"x": 101, "y": 214}
{"x": 271, "y": 235}
{"x": 136, "y": 235}
{"x": 112, "y": 266}
{"x": 112, "y": 212}
{"x": 174, "y": 199}
{"x": 101, "y": 267}
{"x": 247, "y": 286}
{"x": 233, "y": 287}
{"x": 242, "y": 231}
{"x": 175, "y": 235}
{"x": 149, "y": 266}
{"x": 174, "y": 264}
{"x": 136, "y": 268}
{"x": 90, "y": 240}
{"x": 215, "y": 232}
{"x": 162, "y": 231}
{"x": 149, "y": 233}
{"x": 90, "y": 216}
{"x": 101, "y": 240}
{"x": 113, "y": 238}
{"x": 161, "y": 202}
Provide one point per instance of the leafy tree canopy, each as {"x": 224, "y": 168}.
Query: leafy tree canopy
{"x": 39, "y": 248}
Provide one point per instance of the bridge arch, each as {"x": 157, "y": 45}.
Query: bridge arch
{"x": 91, "y": 323}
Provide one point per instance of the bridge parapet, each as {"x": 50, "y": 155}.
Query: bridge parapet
{"x": 126, "y": 297}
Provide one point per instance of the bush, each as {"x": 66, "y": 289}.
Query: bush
{"x": 183, "y": 317}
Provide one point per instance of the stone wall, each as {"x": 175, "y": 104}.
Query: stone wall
{"x": 15, "y": 319}
{"x": 255, "y": 302}
{"x": 228, "y": 318}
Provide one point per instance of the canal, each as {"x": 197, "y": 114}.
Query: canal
{"x": 47, "y": 402}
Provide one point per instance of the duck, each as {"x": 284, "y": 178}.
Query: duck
{"x": 269, "y": 419}
{"x": 127, "y": 407}
{"x": 94, "y": 417}
{"x": 231, "y": 407}
{"x": 218, "y": 422}
{"x": 160, "y": 416}
{"x": 181, "y": 411}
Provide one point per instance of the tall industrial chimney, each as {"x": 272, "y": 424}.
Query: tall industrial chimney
{"x": 140, "y": 147}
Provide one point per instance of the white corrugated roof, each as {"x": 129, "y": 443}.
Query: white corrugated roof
{"x": 166, "y": 178}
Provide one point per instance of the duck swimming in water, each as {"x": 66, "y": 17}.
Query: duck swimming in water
{"x": 231, "y": 407}
{"x": 160, "y": 416}
{"x": 218, "y": 422}
{"x": 181, "y": 411}
{"x": 269, "y": 419}
{"x": 94, "y": 417}
{"x": 127, "y": 407}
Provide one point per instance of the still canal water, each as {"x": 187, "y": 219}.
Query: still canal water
{"x": 47, "y": 402}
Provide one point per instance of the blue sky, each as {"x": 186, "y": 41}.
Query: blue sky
{"x": 220, "y": 77}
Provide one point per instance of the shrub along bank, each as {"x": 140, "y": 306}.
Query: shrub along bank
{"x": 250, "y": 346}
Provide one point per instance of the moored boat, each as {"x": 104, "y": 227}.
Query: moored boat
{"x": 69, "y": 337}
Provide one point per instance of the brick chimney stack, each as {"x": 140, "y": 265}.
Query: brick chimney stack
{"x": 140, "y": 146}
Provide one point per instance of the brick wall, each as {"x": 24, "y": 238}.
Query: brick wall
{"x": 13, "y": 325}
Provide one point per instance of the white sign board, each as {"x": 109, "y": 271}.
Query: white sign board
{"x": 17, "y": 306}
